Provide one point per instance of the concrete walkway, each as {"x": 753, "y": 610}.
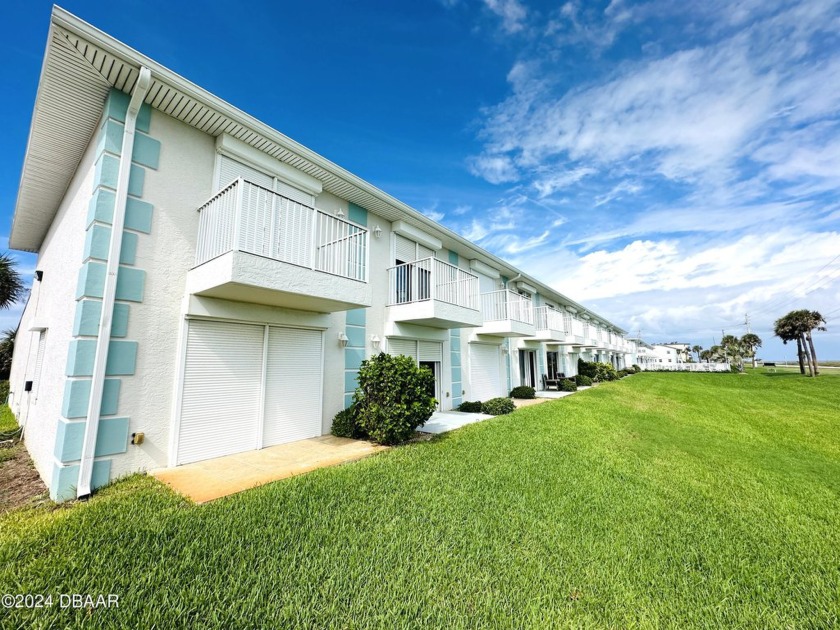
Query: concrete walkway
{"x": 443, "y": 421}
{"x": 215, "y": 478}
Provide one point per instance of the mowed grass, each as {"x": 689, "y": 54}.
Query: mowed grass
{"x": 662, "y": 500}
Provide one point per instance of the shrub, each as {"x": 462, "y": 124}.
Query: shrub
{"x": 393, "y": 399}
{"x": 637, "y": 368}
{"x": 470, "y": 407}
{"x": 523, "y": 391}
{"x": 498, "y": 406}
{"x": 582, "y": 380}
{"x": 585, "y": 368}
{"x": 605, "y": 372}
{"x": 345, "y": 424}
{"x": 4, "y": 392}
{"x": 567, "y": 385}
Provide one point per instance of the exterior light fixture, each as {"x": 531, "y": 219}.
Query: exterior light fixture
{"x": 340, "y": 213}
{"x": 377, "y": 232}
{"x": 375, "y": 341}
{"x": 343, "y": 339}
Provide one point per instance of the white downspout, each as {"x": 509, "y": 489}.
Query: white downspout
{"x": 103, "y": 340}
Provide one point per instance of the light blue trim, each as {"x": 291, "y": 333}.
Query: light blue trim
{"x": 77, "y": 398}
{"x": 116, "y": 107}
{"x": 357, "y": 214}
{"x": 353, "y": 358}
{"x": 455, "y": 359}
{"x": 106, "y": 172}
{"x": 136, "y": 180}
{"x": 146, "y": 151}
{"x": 348, "y": 400}
{"x": 110, "y": 137}
{"x": 111, "y": 439}
{"x": 356, "y": 317}
{"x": 351, "y": 380}
{"x": 65, "y": 479}
{"x": 122, "y": 358}
{"x": 130, "y": 284}
{"x": 101, "y": 206}
{"x": 456, "y": 375}
{"x": 91, "y": 280}
{"x": 138, "y": 215}
{"x": 88, "y": 314}
{"x": 98, "y": 241}
{"x": 356, "y": 336}
{"x": 453, "y": 258}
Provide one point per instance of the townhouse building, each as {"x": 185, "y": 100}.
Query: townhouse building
{"x": 212, "y": 285}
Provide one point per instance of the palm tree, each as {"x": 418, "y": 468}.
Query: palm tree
{"x": 786, "y": 328}
{"x": 750, "y": 343}
{"x": 732, "y": 348}
{"x": 812, "y": 320}
{"x": 706, "y": 355}
{"x": 7, "y": 349}
{"x": 11, "y": 287}
{"x": 799, "y": 325}
{"x": 697, "y": 350}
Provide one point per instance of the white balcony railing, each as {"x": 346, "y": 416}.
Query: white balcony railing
{"x": 502, "y": 305}
{"x": 249, "y": 218}
{"x": 549, "y": 319}
{"x": 432, "y": 279}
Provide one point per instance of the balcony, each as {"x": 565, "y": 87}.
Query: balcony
{"x": 506, "y": 314}
{"x": 549, "y": 325}
{"x": 431, "y": 292}
{"x": 257, "y": 246}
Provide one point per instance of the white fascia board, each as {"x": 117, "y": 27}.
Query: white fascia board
{"x": 230, "y": 146}
{"x": 486, "y": 270}
{"x": 526, "y": 287}
{"x": 417, "y": 235}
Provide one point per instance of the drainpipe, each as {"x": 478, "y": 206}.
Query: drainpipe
{"x": 103, "y": 340}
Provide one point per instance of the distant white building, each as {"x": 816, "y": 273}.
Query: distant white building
{"x": 671, "y": 352}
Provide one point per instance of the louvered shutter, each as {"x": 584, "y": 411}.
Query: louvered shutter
{"x": 424, "y": 252}
{"x": 294, "y": 194}
{"x": 221, "y": 400}
{"x": 406, "y": 250}
{"x": 485, "y": 373}
{"x": 431, "y": 351}
{"x": 230, "y": 169}
{"x": 292, "y": 385}
{"x": 407, "y": 347}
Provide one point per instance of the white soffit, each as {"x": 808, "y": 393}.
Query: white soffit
{"x": 487, "y": 270}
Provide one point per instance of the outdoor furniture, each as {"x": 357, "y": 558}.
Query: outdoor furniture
{"x": 548, "y": 383}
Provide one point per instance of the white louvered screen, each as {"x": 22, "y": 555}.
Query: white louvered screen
{"x": 408, "y": 347}
{"x": 431, "y": 351}
{"x": 293, "y": 233}
{"x": 294, "y": 194}
{"x": 424, "y": 252}
{"x": 406, "y": 250}
{"x": 221, "y": 403}
{"x": 292, "y": 385}
{"x": 485, "y": 373}
{"x": 486, "y": 284}
{"x": 230, "y": 169}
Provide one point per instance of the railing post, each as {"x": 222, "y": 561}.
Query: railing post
{"x": 314, "y": 239}
{"x": 237, "y": 212}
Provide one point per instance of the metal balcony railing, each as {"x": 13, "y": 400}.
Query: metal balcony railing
{"x": 504, "y": 305}
{"x": 549, "y": 319}
{"x": 246, "y": 217}
{"x": 432, "y": 279}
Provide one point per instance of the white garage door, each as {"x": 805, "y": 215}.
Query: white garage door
{"x": 221, "y": 404}
{"x": 485, "y": 374}
{"x": 223, "y": 400}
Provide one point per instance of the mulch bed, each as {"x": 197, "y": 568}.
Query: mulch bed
{"x": 20, "y": 483}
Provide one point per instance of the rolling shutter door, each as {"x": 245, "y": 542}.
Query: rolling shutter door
{"x": 292, "y": 385}
{"x": 221, "y": 401}
{"x": 407, "y": 347}
{"x": 405, "y": 250}
{"x": 230, "y": 169}
{"x": 485, "y": 375}
{"x": 431, "y": 351}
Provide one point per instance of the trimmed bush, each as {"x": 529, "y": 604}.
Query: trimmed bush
{"x": 523, "y": 392}
{"x": 345, "y": 424}
{"x": 637, "y": 368}
{"x": 582, "y": 380}
{"x": 4, "y": 392}
{"x": 567, "y": 385}
{"x": 498, "y": 406}
{"x": 393, "y": 399}
{"x": 470, "y": 407}
{"x": 585, "y": 368}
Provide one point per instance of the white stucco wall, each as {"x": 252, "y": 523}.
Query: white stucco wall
{"x": 52, "y": 304}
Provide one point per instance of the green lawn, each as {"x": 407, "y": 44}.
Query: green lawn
{"x": 662, "y": 500}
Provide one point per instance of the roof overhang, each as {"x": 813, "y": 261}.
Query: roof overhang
{"x": 82, "y": 64}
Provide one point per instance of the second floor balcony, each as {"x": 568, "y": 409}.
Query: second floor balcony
{"x": 431, "y": 292}
{"x": 550, "y": 325}
{"x": 255, "y": 245}
{"x": 506, "y": 314}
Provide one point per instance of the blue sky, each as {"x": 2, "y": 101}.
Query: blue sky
{"x": 673, "y": 166}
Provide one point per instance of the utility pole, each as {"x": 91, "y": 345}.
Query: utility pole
{"x": 747, "y": 322}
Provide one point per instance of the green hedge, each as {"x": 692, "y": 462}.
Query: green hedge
{"x": 498, "y": 406}
{"x": 470, "y": 407}
{"x": 523, "y": 392}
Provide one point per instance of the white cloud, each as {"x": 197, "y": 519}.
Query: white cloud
{"x": 496, "y": 169}
{"x": 512, "y": 12}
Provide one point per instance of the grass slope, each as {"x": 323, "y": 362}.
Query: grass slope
{"x": 676, "y": 500}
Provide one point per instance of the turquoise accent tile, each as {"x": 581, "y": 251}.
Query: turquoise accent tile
{"x": 111, "y": 439}
{"x": 146, "y": 151}
{"x": 456, "y": 374}
{"x": 144, "y": 118}
{"x": 122, "y": 358}
{"x": 455, "y": 358}
{"x": 116, "y": 107}
{"x": 353, "y": 358}
{"x": 138, "y": 215}
{"x": 456, "y": 402}
{"x": 136, "y": 180}
{"x": 348, "y": 400}
{"x": 356, "y": 317}
{"x": 65, "y": 479}
{"x": 80, "y": 357}
{"x": 107, "y": 172}
{"x": 357, "y": 214}
{"x": 98, "y": 242}
{"x": 88, "y": 314}
{"x": 356, "y": 337}
{"x": 91, "y": 280}
{"x": 77, "y": 398}
{"x": 101, "y": 207}
{"x": 130, "y": 284}
{"x": 453, "y": 258}
{"x": 111, "y": 137}
{"x": 351, "y": 380}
